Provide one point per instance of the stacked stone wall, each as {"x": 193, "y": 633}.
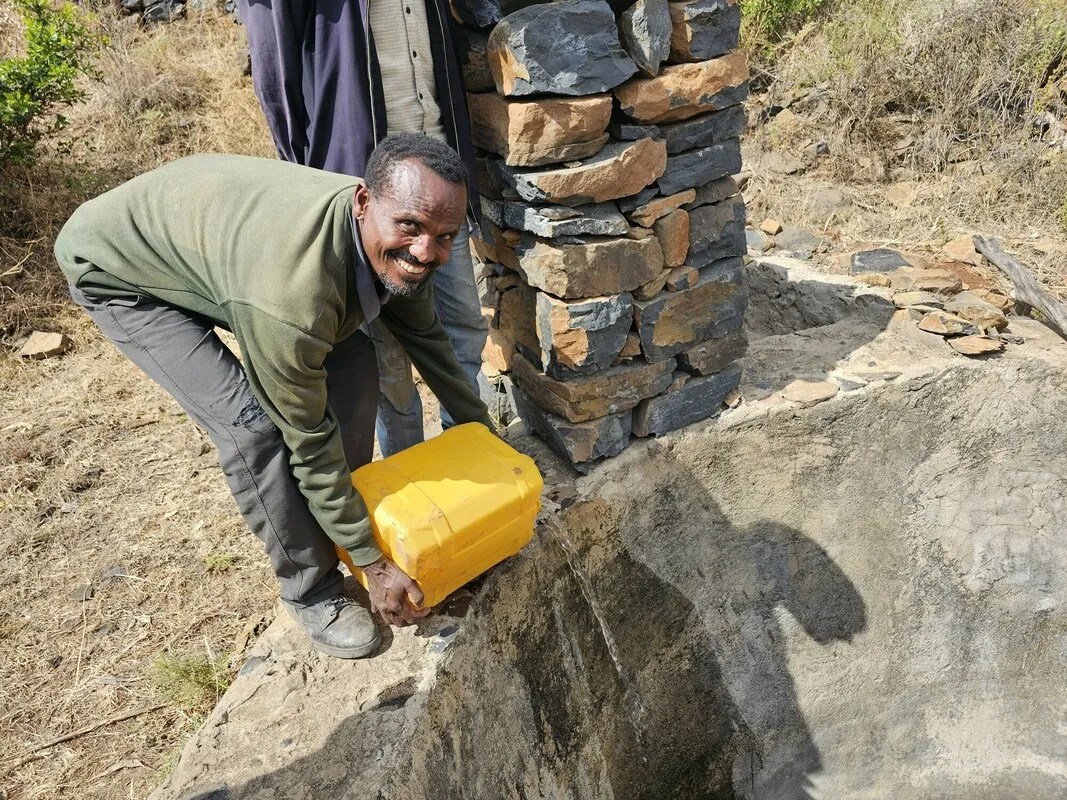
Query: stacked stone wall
{"x": 613, "y": 230}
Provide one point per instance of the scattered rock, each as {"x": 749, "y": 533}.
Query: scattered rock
{"x": 673, "y": 234}
{"x": 580, "y": 443}
{"x": 701, "y": 166}
{"x": 880, "y": 260}
{"x": 824, "y": 202}
{"x": 647, "y": 214}
{"x": 717, "y": 232}
{"x": 873, "y": 278}
{"x": 583, "y": 336}
{"x": 589, "y": 267}
{"x": 962, "y": 249}
{"x": 532, "y": 133}
{"x": 972, "y": 308}
{"x": 976, "y": 345}
{"x": 618, "y": 170}
{"x": 685, "y": 90}
{"x": 645, "y": 31}
{"x": 677, "y": 321}
{"x": 808, "y": 393}
{"x": 945, "y": 324}
{"x": 82, "y": 592}
{"x": 971, "y": 277}
{"x": 848, "y": 383}
{"x": 553, "y": 221}
{"x": 797, "y": 240}
{"x": 925, "y": 280}
{"x": 1005, "y": 304}
{"x": 714, "y": 355}
{"x": 45, "y": 345}
{"x": 705, "y": 130}
{"x": 525, "y": 55}
{"x": 703, "y": 29}
{"x": 906, "y": 299}
{"x": 758, "y": 241}
{"x": 586, "y": 397}
{"x": 771, "y": 227}
{"x": 163, "y": 11}
{"x": 695, "y": 400}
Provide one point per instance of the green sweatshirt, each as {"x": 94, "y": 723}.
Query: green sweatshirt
{"x": 266, "y": 250}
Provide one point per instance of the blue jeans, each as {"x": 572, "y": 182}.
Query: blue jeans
{"x": 399, "y": 423}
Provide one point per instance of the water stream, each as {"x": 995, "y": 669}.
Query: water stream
{"x": 632, "y": 696}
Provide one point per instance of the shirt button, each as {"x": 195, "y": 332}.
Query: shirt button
{"x": 420, "y": 95}
{"x": 414, "y": 54}
{"x": 407, "y": 10}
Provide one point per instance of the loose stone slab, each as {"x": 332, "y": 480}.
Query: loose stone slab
{"x": 695, "y": 400}
{"x": 686, "y": 90}
{"x": 526, "y": 56}
{"x": 974, "y": 309}
{"x": 771, "y": 227}
{"x": 586, "y": 397}
{"x": 697, "y": 167}
{"x": 581, "y": 443}
{"x": 602, "y": 219}
{"x": 758, "y": 241}
{"x": 908, "y": 299}
{"x": 532, "y": 133}
{"x": 618, "y": 170}
{"x": 717, "y": 232}
{"x": 705, "y": 130}
{"x": 587, "y": 267}
{"x": 583, "y": 336}
{"x": 976, "y": 345}
{"x": 645, "y": 31}
{"x": 673, "y": 234}
{"x": 881, "y": 261}
{"x": 703, "y": 29}
{"x": 677, "y": 321}
{"x": 714, "y": 192}
{"x": 647, "y": 213}
{"x": 925, "y": 280}
{"x": 945, "y": 324}
{"x": 808, "y": 393}
{"x": 797, "y": 240}
{"x": 44, "y": 345}
{"x": 714, "y": 355}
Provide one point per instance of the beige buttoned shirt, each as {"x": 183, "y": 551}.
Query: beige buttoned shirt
{"x": 402, "y": 43}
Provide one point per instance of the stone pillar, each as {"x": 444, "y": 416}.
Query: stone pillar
{"x": 613, "y": 231}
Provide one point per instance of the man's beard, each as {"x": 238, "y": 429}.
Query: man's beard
{"x": 406, "y": 288}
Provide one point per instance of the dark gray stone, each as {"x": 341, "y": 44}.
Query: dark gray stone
{"x": 581, "y": 443}
{"x": 714, "y": 355}
{"x": 797, "y": 240}
{"x": 570, "y": 47}
{"x": 673, "y": 322}
{"x": 645, "y": 31}
{"x": 697, "y": 399}
{"x": 713, "y": 28}
{"x": 582, "y": 336}
{"x": 164, "y": 11}
{"x": 714, "y": 192}
{"x": 705, "y": 130}
{"x": 601, "y": 219}
{"x": 629, "y": 132}
{"x": 493, "y": 179}
{"x": 634, "y": 202}
{"x": 716, "y": 232}
{"x": 882, "y": 261}
{"x": 758, "y": 240}
{"x": 698, "y": 167}
{"x": 486, "y": 13}
{"x": 471, "y": 51}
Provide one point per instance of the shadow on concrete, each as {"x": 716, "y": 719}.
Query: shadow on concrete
{"x": 688, "y": 695}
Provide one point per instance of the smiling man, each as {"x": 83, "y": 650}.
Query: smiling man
{"x": 295, "y": 262}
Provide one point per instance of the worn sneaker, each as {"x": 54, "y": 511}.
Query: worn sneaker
{"x": 338, "y": 626}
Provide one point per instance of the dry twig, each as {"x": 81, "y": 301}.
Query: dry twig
{"x": 1027, "y": 289}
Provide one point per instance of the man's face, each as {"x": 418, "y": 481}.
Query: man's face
{"x": 408, "y": 228}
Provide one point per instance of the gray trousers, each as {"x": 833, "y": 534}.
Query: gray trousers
{"x": 182, "y": 353}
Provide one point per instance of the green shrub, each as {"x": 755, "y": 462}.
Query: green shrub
{"x": 767, "y": 22}
{"x": 36, "y": 86}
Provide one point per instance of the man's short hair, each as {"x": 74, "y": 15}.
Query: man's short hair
{"x": 397, "y": 148}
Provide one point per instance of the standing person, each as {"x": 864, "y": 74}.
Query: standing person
{"x": 335, "y": 76}
{"x": 294, "y": 261}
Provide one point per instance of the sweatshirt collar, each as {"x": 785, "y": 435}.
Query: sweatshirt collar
{"x": 372, "y": 295}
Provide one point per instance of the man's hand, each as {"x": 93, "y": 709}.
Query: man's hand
{"x": 393, "y": 594}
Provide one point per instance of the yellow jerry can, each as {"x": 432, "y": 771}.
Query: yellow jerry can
{"x": 450, "y": 508}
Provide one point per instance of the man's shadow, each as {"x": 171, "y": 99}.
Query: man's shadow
{"x": 687, "y": 695}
